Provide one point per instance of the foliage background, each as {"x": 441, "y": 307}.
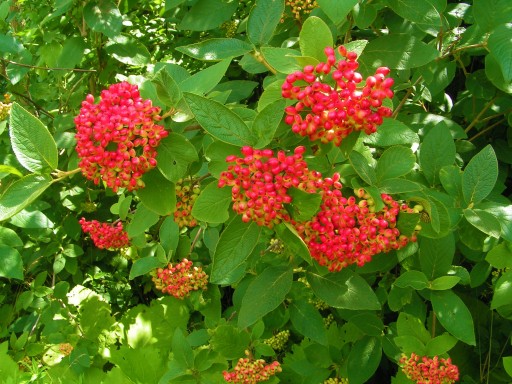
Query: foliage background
{"x": 72, "y": 313}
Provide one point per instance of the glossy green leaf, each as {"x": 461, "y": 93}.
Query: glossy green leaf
{"x": 235, "y": 245}
{"x": 425, "y": 14}
{"x": 453, "y": 315}
{"x": 394, "y": 186}
{"x": 484, "y": 221}
{"x": 12, "y": 263}
{"x": 167, "y": 88}
{"x": 314, "y": 37}
{"x": 293, "y": 242}
{"x": 21, "y": 193}
{"x": 337, "y": 10}
{"x": 266, "y": 122}
{"x": 264, "y": 294}
{"x": 104, "y": 17}
{"x": 143, "y": 266}
{"x": 31, "y": 141}
{"x": 436, "y": 255}
{"x": 72, "y": 53}
{"x": 159, "y": 194}
{"x": 441, "y": 344}
{"x": 368, "y": 322}
{"x": 499, "y": 257}
{"x": 444, "y": 282}
{"x": 494, "y": 73}
{"x": 212, "y": 204}
{"x": 363, "y": 169}
{"x": 182, "y": 351}
{"x": 394, "y": 162}
{"x": 344, "y": 289}
{"x": 207, "y": 14}
{"x": 507, "y": 364}
{"x": 175, "y": 153}
{"x": 436, "y": 151}
{"x": 480, "y": 176}
{"x": 364, "y": 359}
{"x": 304, "y": 205}
{"x": 216, "y": 49}
{"x": 410, "y": 326}
{"x": 398, "y": 52}
{"x": 263, "y": 20}
{"x": 9, "y": 237}
{"x": 502, "y": 291}
{"x": 219, "y": 121}
{"x": 142, "y": 220}
{"x": 414, "y": 279}
{"x": 307, "y": 321}
{"x": 491, "y": 13}
{"x": 204, "y": 81}
{"x": 451, "y": 179}
{"x": 283, "y": 60}
{"x": 128, "y": 50}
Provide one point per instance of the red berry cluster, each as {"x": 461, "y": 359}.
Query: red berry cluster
{"x": 250, "y": 371}
{"x": 260, "y": 183}
{"x": 429, "y": 370}
{"x": 117, "y": 138}
{"x": 346, "y": 231}
{"x": 186, "y": 195}
{"x": 178, "y": 280}
{"x": 336, "y": 106}
{"x": 105, "y": 235}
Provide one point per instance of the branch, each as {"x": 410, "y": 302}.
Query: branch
{"x": 46, "y": 68}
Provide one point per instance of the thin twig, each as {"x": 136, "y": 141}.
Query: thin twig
{"x": 196, "y": 238}
{"x": 47, "y": 68}
{"x": 259, "y": 57}
{"x": 38, "y": 107}
{"x": 407, "y": 94}
{"x": 476, "y": 120}
{"x": 489, "y": 128}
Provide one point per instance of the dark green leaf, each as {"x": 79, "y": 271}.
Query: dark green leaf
{"x": 216, "y": 49}
{"x": 363, "y": 169}
{"x": 182, "y": 350}
{"x": 293, "y": 242}
{"x": 502, "y": 291}
{"x": 21, "y": 193}
{"x": 308, "y": 321}
{"x": 166, "y": 88}
{"x": 394, "y": 186}
{"x": 413, "y": 279}
{"x": 314, "y": 37}
{"x": 175, "y": 153}
{"x": 72, "y": 53}
{"x": 207, "y": 14}
{"x": 212, "y": 204}
{"x": 159, "y": 194}
{"x": 368, "y": 322}
{"x": 491, "y": 13}
{"x": 453, "y": 315}
{"x": 235, "y": 245}
{"x": 436, "y": 255}
{"x": 394, "y": 162}
{"x": 364, "y": 359}
{"x": 142, "y": 220}
{"x": 264, "y": 294}
{"x": 440, "y": 345}
{"x": 451, "y": 180}
{"x": 480, "y": 176}
{"x": 263, "y": 20}
{"x": 484, "y": 221}
{"x": 436, "y": 151}
{"x": 410, "y": 326}
{"x": 344, "y": 289}
{"x": 219, "y": 121}
{"x": 104, "y": 17}
{"x": 229, "y": 341}
{"x": 266, "y": 122}
{"x": 428, "y": 15}
{"x": 304, "y": 205}
{"x": 499, "y": 257}
{"x": 31, "y": 142}
{"x": 145, "y": 265}
{"x": 12, "y": 264}
{"x": 337, "y": 10}
{"x": 444, "y": 282}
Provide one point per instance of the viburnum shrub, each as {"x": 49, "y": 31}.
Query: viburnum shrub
{"x": 426, "y": 370}
{"x": 251, "y": 371}
{"x": 330, "y": 108}
{"x": 260, "y": 182}
{"x": 116, "y": 139}
{"x": 187, "y": 192}
{"x": 105, "y": 235}
{"x": 180, "y": 279}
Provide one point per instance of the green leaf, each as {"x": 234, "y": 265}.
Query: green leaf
{"x": 128, "y": 50}
{"x": 394, "y": 162}
{"x": 159, "y": 194}
{"x": 484, "y": 221}
{"x": 397, "y": 51}
{"x": 499, "y": 257}
{"x": 9, "y": 237}
{"x": 363, "y": 169}
{"x": 144, "y": 265}
{"x": 307, "y": 321}
{"x": 507, "y": 364}
{"x": 444, "y": 282}
{"x": 414, "y": 279}
{"x": 219, "y": 121}
{"x": 167, "y": 89}
{"x": 205, "y": 80}
{"x": 142, "y": 220}
{"x": 283, "y": 60}
{"x": 21, "y": 193}
{"x": 31, "y": 141}
{"x": 229, "y": 341}
{"x": 145, "y": 364}
{"x": 212, "y": 204}
{"x": 264, "y": 18}
{"x": 436, "y": 151}
{"x": 104, "y": 17}
{"x": 502, "y": 291}
{"x": 436, "y": 255}
{"x": 490, "y": 13}
{"x": 344, "y": 289}
{"x": 293, "y": 242}
{"x": 304, "y": 205}
{"x": 407, "y": 223}
{"x": 499, "y": 44}
{"x": 314, "y": 37}
{"x": 453, "y": 315}
{"x": 266, "y": 122}
{"x": 410, "y": 326}
{"x": 264, "y": 294}
{"x": 72, "y": 53}
{"x": 182, "y": 350}
{"x": 337, "y": 10}
{"x": 451, "y": 180}
{"x": 207, "y": 14}
{"x": 175, "y": 153}
{"x": 216, "y": 49}
{"x": 12, "y": 263}
{"x": 394, "y": 186}
{"x": 480, "y": 176}
{"x": 441, "y": 344}
{"x": 425, "y": 14}
{"x": 235, "y": 245}
{"x": 11, "y": 170}
{"x": 368, "y": 322}
{"x": 364, "y": 359}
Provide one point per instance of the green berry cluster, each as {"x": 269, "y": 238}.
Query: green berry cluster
{"x": 278, "y": 341}
{"x": 301, "y": 8}
{"x": 230, "y": 27}
{"x": 336, "y": 380}
{"x": 5, "y": 107}
{"x": 328, "y": 320}
{"x": 319, "y": 304}
{"x": 186, "y": 194}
